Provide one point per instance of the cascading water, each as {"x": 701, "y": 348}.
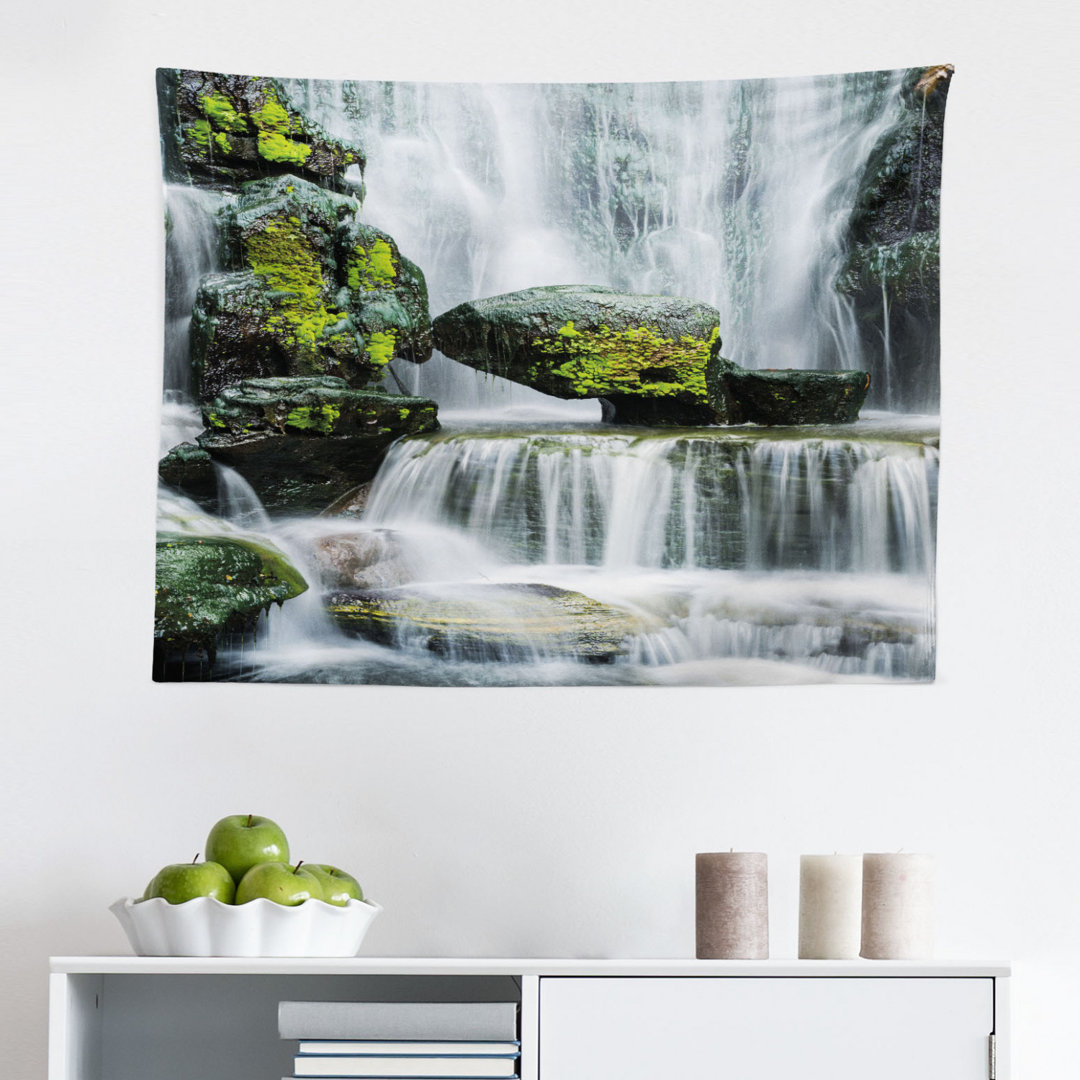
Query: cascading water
{"x": 735, "y": 193}
{"x": 739, "y": 555}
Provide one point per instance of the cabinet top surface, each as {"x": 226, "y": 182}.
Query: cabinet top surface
{"x": 415, "y": 965}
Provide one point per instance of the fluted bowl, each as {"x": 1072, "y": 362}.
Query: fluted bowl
{"x": 207, "y": 927}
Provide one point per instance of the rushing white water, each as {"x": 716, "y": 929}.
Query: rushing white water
{"x": 735, "y": 193}
{"x": 704, "y": 500}
{"x": 191, "y": 251}
{"x": 741, "y": 556}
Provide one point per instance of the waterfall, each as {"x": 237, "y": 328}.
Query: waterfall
{"x": 735, "y": 193}
{"x": 191, "y": 251}
{"x": 690, "y": 501}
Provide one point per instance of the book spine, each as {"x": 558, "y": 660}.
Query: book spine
{"x": 439, "y": 1021}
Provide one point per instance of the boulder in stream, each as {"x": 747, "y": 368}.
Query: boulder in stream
{"x": 494, "y": 622}
{"x": 189, "y": 469}
{"x": 220, "y": 130}
{"x": 314, "y": 292}
{"x": 645, "y": 356}
{"x": 210, "y": 586}
{"x": 302, "y": 443}
{"x": 785, "y": 396}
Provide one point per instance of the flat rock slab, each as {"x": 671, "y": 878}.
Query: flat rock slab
{"x": 302, "y": 443}
{"x": 516, "y": 622}
{"x": 780, "y": 397}
{"x": 645, "y": 355}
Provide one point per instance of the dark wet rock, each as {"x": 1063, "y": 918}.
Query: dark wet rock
{"x": 645, "y": 355}
{"x": 189, "y": 469}
{"x": 208, "y": 586}
{"x": 891, "y": 274}
{"x": 487, "y": 622}
{"x": 313, "y": 292}
{"x": 786, "y": 396}
{"x": 351, "y": 504}
{"x": 221, "y": 130}
{"x": 302, "y": 443}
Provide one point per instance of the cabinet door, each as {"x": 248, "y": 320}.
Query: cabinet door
{"x": 765, "y": 1028}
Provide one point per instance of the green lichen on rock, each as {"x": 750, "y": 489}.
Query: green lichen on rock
{"x": 320, "y": 418}
{"x": 275, "y": 147}
{"x": 221, "y": 130}
{"x": 209, "y": 585}
{"x": 222, "y": 113}
{"x": 299, "y": 303}
{"x": 282, "y": 256}
{"x": 645, "y": 355}
{"x": 638, "y": 360}
{"x": 304, "y": 442}
{"x": 372, "y": 267}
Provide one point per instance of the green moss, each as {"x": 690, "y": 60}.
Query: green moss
{"x": 281, "y": 255}
{"x": 219, "y": 110}
{"x": 206, "y": 585}
{"x": 216, "y": 421}
{"x": 380, "y": 347}
{"x": 275, "y": 147}
{"x": 272, "y": 116}
{"x": 372, "y": 268}
{"x": 199, "y": 133}
{"x": 221, "y": 141}
{"x": 637, "y": 361}
{"x": 308, "y": 418}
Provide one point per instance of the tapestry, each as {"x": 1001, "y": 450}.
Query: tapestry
{"x": 549, "y": 384}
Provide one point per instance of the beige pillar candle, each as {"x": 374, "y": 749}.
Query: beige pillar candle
{"x": 830, "y": 906}
{"x": 732, "y": 905}
{"x": 898, "y": 907}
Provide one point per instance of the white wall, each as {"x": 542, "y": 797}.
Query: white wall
{"x": 556, "y": 822}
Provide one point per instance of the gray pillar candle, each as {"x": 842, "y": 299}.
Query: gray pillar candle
{"x": 732, "y": 905}
{"x": 898, "y": 907}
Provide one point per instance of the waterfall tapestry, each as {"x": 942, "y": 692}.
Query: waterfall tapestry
{"x": 612, "y": 384}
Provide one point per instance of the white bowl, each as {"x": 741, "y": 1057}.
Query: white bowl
{"x": 207, "y": 927}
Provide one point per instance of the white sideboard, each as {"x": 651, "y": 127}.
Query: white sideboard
{"x": 176, "y": 1018}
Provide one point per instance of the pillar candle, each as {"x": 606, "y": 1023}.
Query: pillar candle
{"x": 830, "y": 906}
{"x": 898, "y": 907}
{"x": 732, "y": 905}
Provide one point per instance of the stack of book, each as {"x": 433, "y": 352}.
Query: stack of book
{"x": 377, "y": 1039}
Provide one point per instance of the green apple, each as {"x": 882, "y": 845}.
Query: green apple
{"x": 338, "y": 887}
{"x": 277, "y": 881}
{"x": 180, "y": 882}
{"x": 240, "y": 841}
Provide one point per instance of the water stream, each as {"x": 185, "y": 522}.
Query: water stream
{"x": 742, "y": 555}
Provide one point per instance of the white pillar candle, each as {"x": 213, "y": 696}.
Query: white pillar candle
{"x": 898, "y": 907}
{"x": 830, "y": 906}
{"x": 732, "y": 891}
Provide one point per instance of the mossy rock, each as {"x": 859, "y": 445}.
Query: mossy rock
{"x": 891, "y": 274}
{"x": 222, "y": 130}
{"x": 314, "y": 292}
{"x": 516, "y": 622}
{"x": 787, "y": 396}
{"x": 584, "y": 341}
{"x": 189, "y": 469}
{"x": 207, "y": 586}
{"x": 304, "y": 442}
